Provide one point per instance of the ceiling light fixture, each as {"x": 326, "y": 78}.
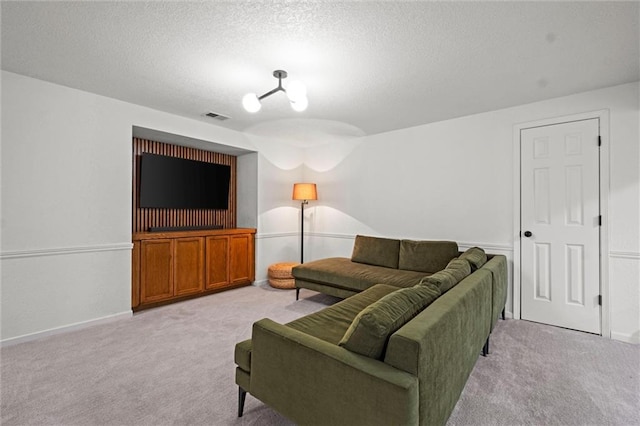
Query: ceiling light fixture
{"x": 296, "y": 92}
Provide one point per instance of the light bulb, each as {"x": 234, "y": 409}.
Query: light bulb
{"x": 300, "y": 105}
{"x": 251, "y": 103}
{"x": 296, "y": 91}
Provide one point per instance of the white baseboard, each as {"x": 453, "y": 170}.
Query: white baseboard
{"x": 65, "y": 328}
{"x": 259, "y": 283}
{"x": 627, "y": 338}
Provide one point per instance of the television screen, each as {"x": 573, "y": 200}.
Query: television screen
{"x": 177, "y": 183}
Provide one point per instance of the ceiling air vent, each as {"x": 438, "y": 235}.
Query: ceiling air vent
{"x": 216, "y": 116}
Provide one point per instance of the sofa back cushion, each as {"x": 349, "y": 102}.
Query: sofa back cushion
{"x": 369, "y": 332}
{"x": 475, "y": 256}
{"x": 443, "y": 280}
{"x": 456, "y": 271}
{"x": 376, "y": 251}
{"x": 460, "y": 267}
{"x": 426, "y": 256}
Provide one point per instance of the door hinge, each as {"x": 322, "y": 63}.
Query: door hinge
{"x": 600, "y": 300}
{"x": 599, "y": 140}
{"x": 600, "y": 220}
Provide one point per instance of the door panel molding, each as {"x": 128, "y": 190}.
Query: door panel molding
{"x": 603, "y": 117}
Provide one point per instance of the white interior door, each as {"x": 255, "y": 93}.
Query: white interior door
{"x": 560, "y": 215}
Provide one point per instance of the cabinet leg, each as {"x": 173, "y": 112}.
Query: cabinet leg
{"x": 242, "y": 394}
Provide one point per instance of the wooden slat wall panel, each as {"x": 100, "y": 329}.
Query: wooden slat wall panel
{"x": 143, "y": 219}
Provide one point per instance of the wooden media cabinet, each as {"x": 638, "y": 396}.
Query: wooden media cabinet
{"x": 176, "y": 265}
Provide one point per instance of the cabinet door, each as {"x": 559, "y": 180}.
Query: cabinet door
{"x": 217, "y": 262}
{"x": 188, "y": 265}
{"x": 156, "y": 270}
{"x": 240, "y": 264}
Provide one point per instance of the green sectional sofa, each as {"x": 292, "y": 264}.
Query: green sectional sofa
{"x": 396, "y": 352}
{"x": 400, "y": 263}
{"x": 374, "y": 260}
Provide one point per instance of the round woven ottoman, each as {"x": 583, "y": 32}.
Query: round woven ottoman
{"x": 280, "y": 275}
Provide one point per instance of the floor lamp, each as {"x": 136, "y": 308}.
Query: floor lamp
{"x": 303, "y": 192}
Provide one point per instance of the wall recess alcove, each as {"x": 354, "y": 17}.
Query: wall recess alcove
{"x": 246, "y": 182}
{"x": 173, "y": 264}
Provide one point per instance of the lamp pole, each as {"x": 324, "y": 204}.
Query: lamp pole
{"x": 302, "y": 229}
{"x": 303, "y": 192}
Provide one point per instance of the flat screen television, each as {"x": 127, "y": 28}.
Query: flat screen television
{"x": 177, "y": 183}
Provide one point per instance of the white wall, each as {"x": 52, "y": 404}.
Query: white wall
{"x": 277, "y": 240}
{"x": 454, "y": 180}
{"x": 66, "y": 201}
{"x": 66, "y": 195}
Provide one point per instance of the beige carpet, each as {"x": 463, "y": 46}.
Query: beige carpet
{"x": 174, "y": 366}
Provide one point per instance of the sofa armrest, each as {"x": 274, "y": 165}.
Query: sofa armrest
{"x": 442, "y": 343}
{"x": 497, "y": 265}
{"x": 312, "y": 381}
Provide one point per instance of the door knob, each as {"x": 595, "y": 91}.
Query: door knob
{"x": 527, "y": 234}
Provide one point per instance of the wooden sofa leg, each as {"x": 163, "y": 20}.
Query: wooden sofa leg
{"x": 297, "y": 293}
{"x": 485, "y": 348}
{"x": 242, "y": 394}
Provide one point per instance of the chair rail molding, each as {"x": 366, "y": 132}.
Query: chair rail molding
{"x": 490, "y": 247}
{"x": 624, "y": 254}
{"x": 264, "y": 236}
{"x": 60, "y": 251}
{"x": 486, "y": 246}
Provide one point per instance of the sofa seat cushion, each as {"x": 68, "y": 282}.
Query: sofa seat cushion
{"x": 426, "y": 256}
{"x": 376, "y": 251}
{"x": 341, "y": 272}
{"x": 370, "y": 330}
{"x": 331, "y": 323}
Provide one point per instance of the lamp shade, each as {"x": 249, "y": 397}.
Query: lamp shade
{"x": 304, "y": 191}
{"x": 251, "y": 103}
{"x": 296, "y": 91}
{"x": 300, "y": 105}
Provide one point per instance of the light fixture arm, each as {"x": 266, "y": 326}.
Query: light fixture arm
{"x": 297, "y": 95}
{"x": 279, "y": 74}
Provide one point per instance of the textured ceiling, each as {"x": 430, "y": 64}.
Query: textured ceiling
{"x": 369, "y": 67}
